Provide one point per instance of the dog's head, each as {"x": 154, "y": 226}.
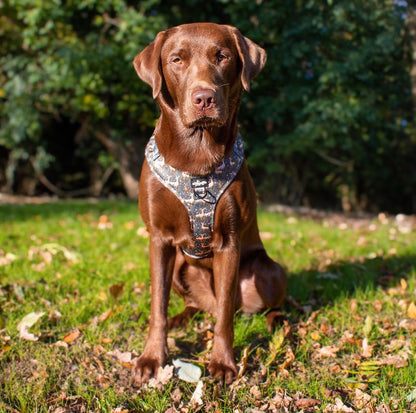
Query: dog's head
{"x": 199, "y": 69}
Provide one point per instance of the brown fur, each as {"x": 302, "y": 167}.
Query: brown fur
{"x": 197, "y": 73}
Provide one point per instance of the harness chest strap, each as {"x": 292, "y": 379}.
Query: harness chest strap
{"x": 198, "y": 193}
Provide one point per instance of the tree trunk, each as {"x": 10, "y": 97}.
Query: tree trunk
{"x": 129, "y": 161}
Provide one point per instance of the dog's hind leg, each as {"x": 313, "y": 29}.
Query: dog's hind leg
{"x": 262, "y": 283}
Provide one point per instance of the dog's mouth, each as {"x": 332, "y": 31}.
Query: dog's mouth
{"x": 205, "y": 122}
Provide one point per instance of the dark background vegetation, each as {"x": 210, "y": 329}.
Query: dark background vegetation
{"x": 329, "y": 123}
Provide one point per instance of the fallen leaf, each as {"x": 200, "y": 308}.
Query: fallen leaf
{"x": 363, "y": 400}
{"x": 368, "y": 326}
{"x": 187, "y": 372}
{"x": 117, "y": 290}
{"x": 307, "y": 403}
{"x": 163, "y": 377}
{"x": 266, "y": 235}
{"x": 71, "y": 336}
{"x": 326, "y": 352}
{"x": 366, "y": 349}
{"x": 411, "y": 397}
{"x": 104, "y": 222}
{"x": 289, "y": 359}
{"x": 411, "y": 311}
{"x": 338, "y": 407}
{"x": 276, "y": 344}
{"x": 7, "y": 259}
{"x": 28, "y": 321}
{"x": 243, "y": 362}
{"x": 119, "y": 410}
{"x": 122, "y": 357}
{"x": 315, "y": 335}
{"x": 130, "y": 225}
{"x": 142, "y": 232}
{"x": 104, "y": 316}
{"x": 409, "y": 325}
{"x": 196, "y": 399}
{"x": 60, "y": 343}
{"x": 47, "y": 251}
{"x": 396, "y": 360}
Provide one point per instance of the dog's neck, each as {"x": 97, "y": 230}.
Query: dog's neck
{"x": 194, "y": 150}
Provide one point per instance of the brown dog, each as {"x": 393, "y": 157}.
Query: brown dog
{"x": 196, "y": 194}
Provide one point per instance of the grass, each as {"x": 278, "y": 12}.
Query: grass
{"x": 348, "y": 338}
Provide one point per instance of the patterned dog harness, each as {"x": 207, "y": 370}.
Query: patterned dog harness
{"x": 198, "y": 193}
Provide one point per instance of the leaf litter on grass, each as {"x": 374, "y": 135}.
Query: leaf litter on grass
{"x": 341, "y": 356}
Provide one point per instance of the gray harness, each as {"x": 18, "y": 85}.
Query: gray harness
{"x": 198, "y": 193}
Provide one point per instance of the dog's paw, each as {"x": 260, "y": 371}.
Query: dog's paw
{"x": 224, "y": 372}
{"x": 145, "y": 368}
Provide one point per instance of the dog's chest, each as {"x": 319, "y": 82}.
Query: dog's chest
{"x": 199, "y": 194}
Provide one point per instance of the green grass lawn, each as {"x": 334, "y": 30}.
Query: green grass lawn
{"x": 347, "y": 340}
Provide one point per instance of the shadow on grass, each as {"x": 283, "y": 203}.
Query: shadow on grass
{"x": 344, "y": 278}
{"x": 312, "y": 290}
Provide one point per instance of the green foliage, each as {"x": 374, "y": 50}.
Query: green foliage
{"x": 72, "y": 60}
{"x": 333, "y": 102}
{"x": 327, "y": 123}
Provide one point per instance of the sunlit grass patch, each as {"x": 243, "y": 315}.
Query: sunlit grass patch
{"x": 346, "y": 335}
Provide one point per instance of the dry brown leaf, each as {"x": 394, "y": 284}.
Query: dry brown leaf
{"x": 338, "y": 407}
{"x": 256, "y": 393}
{"x": 117, "y": 290}
{"x": 307, "y": 403}
{"x": 243, "y": 362}
{"x": 326, "y": 352}
{"x": 409, "y": 325}
{"x": 104, "y": 316}
{"x": 281, "y": 399}
{"x": 396, "y": 360}
{"x": 363, "y": 401}
{"x": 142, "y": 232}
{"x": 163, "y": 377}
{"x": 289, "y": 359}
{"x": 104, "y": 222}
{"x": 122, "y": 357}
{"x": 72, "y": 336}
{"x": 366, "y": 349}
{"x": 60, "y": 343}
{"x": 348, "y": 337}
{"x": 266, "y": 235}
{"x": 411, "y": 311}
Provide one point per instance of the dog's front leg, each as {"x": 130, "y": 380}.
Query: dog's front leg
{"x": 162, "y": 258}
{"x": 225, "y": 268}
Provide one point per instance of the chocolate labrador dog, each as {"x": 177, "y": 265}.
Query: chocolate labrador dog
{"x": 196, "y": 194}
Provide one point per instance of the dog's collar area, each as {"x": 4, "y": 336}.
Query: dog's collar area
{"x": 198, "y": 193}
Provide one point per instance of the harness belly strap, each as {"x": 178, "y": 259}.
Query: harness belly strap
{"x": 198, "y": 193}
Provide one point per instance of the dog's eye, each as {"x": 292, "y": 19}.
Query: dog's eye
{"x": 221, "y": 57}
{"x": 177, "y": 60}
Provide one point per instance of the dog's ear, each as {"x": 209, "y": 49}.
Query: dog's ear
{"x": 148, "y": 66}
{"x": 252, "y": 56}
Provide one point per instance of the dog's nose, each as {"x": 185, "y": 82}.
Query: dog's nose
{"x": 203, "y": 98}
